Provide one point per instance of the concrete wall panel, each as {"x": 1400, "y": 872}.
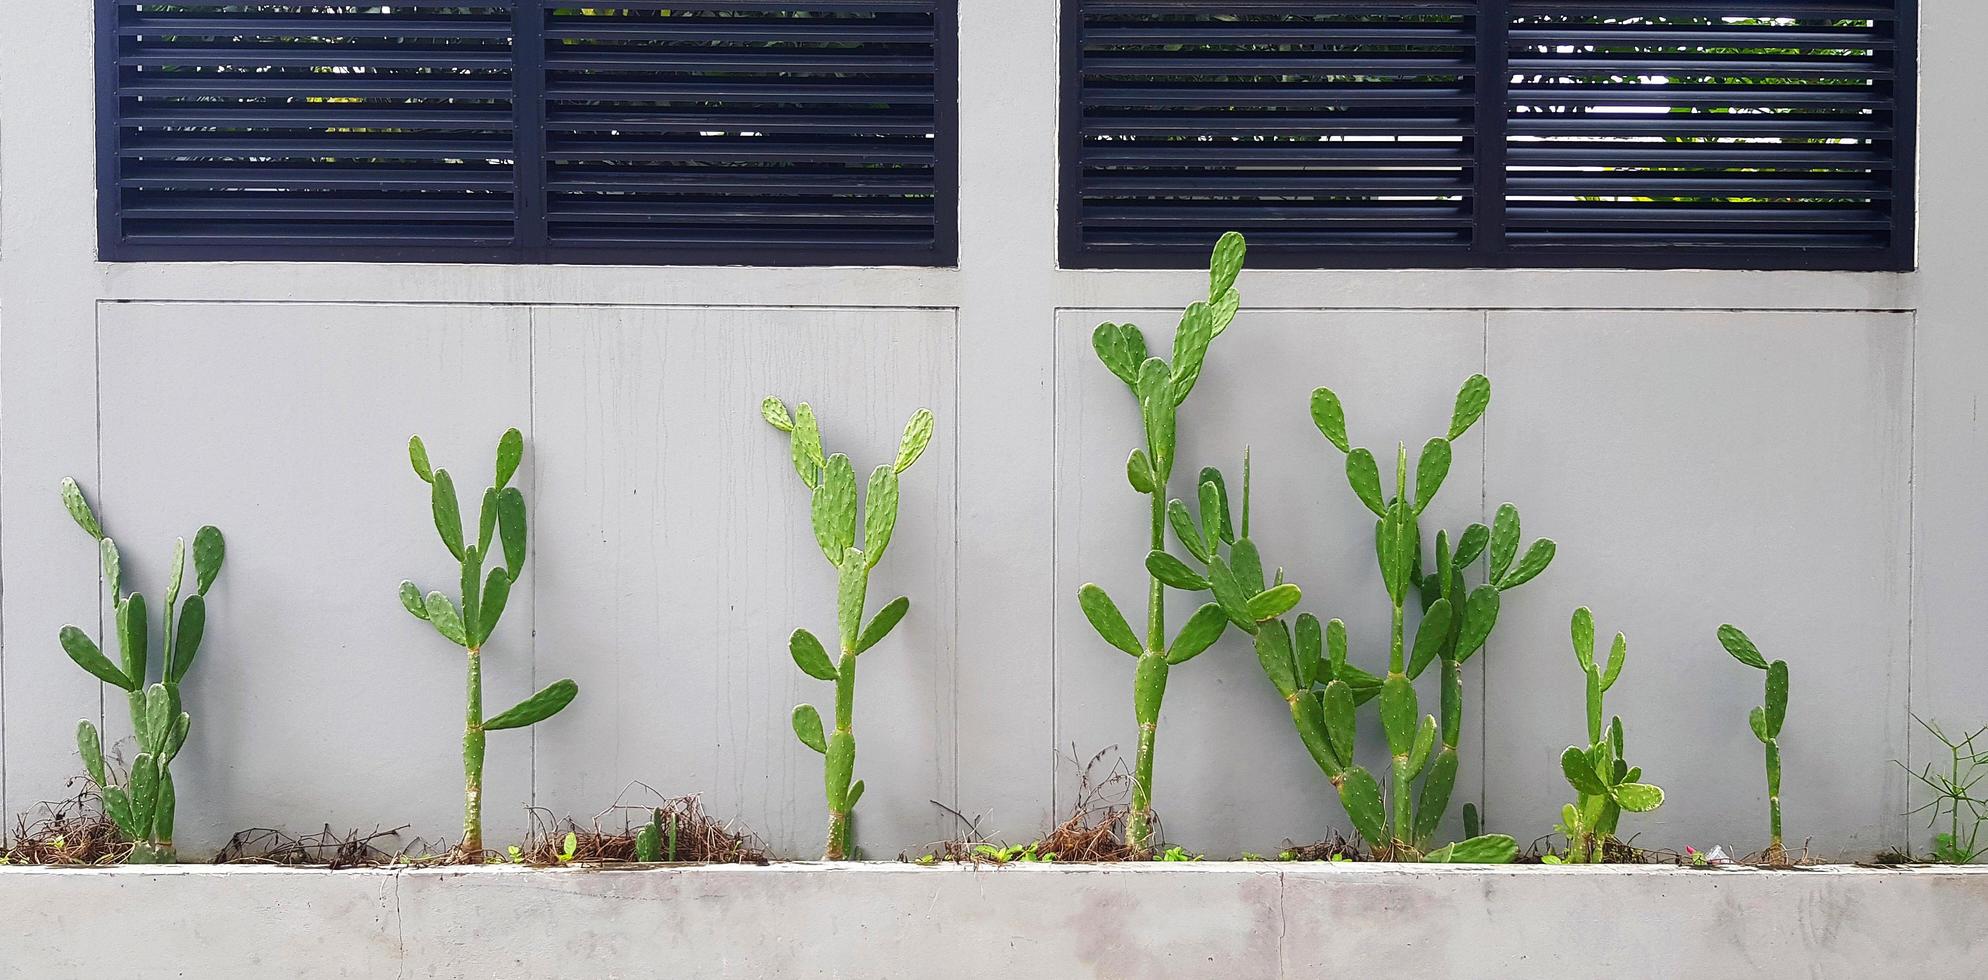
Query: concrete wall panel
{"x": 316, "y": 699}
{"x": 677, "y": 557}
{"x": 1750, "y": 469}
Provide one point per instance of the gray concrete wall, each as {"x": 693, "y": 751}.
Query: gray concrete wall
{"x": 1015, "y": 923}
{"x": 1799, "y": 452}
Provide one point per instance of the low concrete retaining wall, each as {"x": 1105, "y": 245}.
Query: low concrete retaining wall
{"x": 879, "y": 920}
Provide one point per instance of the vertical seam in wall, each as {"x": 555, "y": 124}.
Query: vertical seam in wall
{"x": 103, "y": 506}
{"x": 1055, "y": 551}
{"x": 3, "y": 696}
{"x": 953, "y": 640}
{"x": 531, "y": 527}
{"x": 1911, "y": 547}
{"x": 1483, "y": 514}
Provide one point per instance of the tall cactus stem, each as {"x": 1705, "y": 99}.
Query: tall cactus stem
{"x": 1156, "y": 608}
{"x": 473, "y": 738}
{"x": 845, "y": 723}
{"x": 838, "y": 836}
{"x": 1774, "y": 793}
{"x": 1395, "y": 663}
{"x": 1138, "y": 826}
{"x": 837, "y": 519}
{"x": 845, "y": 690}
{"x": 1452, "y": 704}
{"x": 467, "y": 621}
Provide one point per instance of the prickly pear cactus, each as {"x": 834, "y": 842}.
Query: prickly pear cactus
{"x": 1604, "y": 781}
{"x": 1159, "y": 388}
{"x": 831, "y": 484}
{"x": 1456, "y": 619}
{"x": 1765, "y": 720}
{"x": 468, "y": 620}
{"x": 143, "y": 804}
{"x": 1295, "y": 661}
{"x": 1306, "y": 664}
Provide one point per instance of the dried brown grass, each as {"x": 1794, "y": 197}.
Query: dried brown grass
{"x": 67, "y": 832}
{"x": 324, "y": 849}
{"x": 700, "y": 838}
{"x": 1094, "y": 832}
{"x": 1333, "y": 848}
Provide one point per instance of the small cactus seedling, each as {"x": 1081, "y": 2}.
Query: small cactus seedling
{"x": 1160, "y": 389}
{"x": 831, "y": 483}
{"x": 469, "y": 621}
{"x": 1456, "y": 622}
{"x": 1765, "y": 721}
{"x": 1308, "y": 666}
{"x": 1604, "y": 781}
{"x": 656, "y": 840}
{"x": 143, "y": 805}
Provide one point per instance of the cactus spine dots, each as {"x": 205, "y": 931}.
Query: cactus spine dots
{"x": 469, "y": 620}
{"x": 1765, "y": 721}
{"x": 144, "y": 804}
{"x": 1160, "y": 389}
{"x": 1603, "y": 780}
{"x": 1456, "y": 621}
{"x": 831, "y": 484}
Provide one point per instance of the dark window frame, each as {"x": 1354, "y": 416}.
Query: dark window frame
{"x": 1489, "y": 248}
{"x": 529, "y": 245}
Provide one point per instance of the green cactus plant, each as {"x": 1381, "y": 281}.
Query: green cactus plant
{"x": 1159, "y": 389}
{"x": 469, "y": 620}
{"x": 1602, "y": 778}
{"x": 831, "y": 484}
{"x": 1307, "y": 666}
{"x": 1766, "y": 723}
{"x": 144, "y": 804}
{"x": 656, "y": 840}
{"x": 1456, "y": 621}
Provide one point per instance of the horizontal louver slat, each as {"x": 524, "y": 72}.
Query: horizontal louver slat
{"x": 1311, "y": 127}
{"x": 529, "y": 130}
{"x": 277, "y": 128}
{"x": 728, "y": 128}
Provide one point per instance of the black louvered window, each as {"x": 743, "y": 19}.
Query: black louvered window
{"x": 657, "y": 131}
{"x": 1490, "y": 133}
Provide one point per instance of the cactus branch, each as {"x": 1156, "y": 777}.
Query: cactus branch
{"x": 1450, "y": 633}
{"x": 1766, "y": 719}
{"x": 469, "y": 620}
{"x": 1603, "y": 781}
{"x": 143, "y": 807}
{"x": 832, "y": 508}
{"x": 1149, "y": 684}
{"x": 473, "y": 739}
{"x": 1160, "y": 389}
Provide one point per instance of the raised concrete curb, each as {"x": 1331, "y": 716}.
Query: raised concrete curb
{"x": 885, "y": 920}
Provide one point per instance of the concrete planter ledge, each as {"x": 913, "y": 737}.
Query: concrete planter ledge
{"x": 1225, "y": 920}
